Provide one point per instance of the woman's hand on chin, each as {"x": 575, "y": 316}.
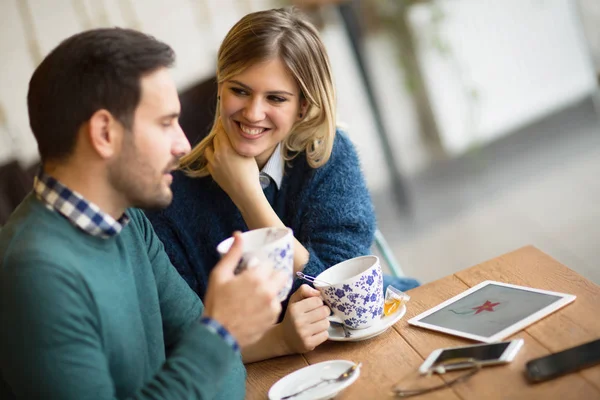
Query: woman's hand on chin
{"x": 236, "y": 175}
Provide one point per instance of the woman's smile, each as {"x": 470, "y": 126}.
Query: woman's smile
{"x": 250, "y": 131}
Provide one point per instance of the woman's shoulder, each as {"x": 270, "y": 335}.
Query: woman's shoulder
{"x": 343, "y": 155}
{"x": 342, "y": 142}
{"x": 343, "y": 161}
{"x": 343, "y": 152}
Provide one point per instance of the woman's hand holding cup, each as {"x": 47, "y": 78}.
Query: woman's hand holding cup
{"x": 305, "y": 323}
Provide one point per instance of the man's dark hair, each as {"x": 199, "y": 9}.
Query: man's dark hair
{"x": 93, "y": 70}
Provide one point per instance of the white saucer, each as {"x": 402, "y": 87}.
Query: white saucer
{"x": 310, "y": 375}
{"x": 336, "y": 332}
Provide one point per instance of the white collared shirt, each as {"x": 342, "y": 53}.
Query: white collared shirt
{"x": 273, "y": 169}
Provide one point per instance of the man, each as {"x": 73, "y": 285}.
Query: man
{"x": 90, "y": 306}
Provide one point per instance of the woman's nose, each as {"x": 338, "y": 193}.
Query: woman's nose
{"x": 254, "y": 111}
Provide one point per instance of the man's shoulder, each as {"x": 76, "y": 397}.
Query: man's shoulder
{"x": 35, "y": 234}
{"x": 29, "y": 223}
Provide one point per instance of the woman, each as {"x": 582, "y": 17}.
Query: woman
{"x": 272, "y": 158}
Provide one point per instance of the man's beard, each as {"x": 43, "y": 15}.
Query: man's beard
{"x": 132, "y": 177}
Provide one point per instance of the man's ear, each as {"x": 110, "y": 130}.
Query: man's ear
{"x": 105, "y": 134}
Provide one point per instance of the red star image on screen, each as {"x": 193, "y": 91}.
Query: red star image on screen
{"x": 487, "y": 306}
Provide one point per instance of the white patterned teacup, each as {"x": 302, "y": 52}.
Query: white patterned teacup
{"x": 273, "y": 246}
{"x": 355, "y": 291}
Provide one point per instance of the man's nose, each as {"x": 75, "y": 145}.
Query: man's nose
{"x": 181, "y": 144}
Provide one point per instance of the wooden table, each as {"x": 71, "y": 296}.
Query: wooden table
{"x": 396, "y": 355}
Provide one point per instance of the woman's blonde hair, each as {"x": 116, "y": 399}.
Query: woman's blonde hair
{"x": 282, "y": 33}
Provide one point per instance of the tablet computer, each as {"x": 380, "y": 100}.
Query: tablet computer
{"x": 491, "y": 311}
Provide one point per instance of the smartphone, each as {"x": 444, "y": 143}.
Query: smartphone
{"x": 487, "y": 354}
{"x": 564, "y": 362}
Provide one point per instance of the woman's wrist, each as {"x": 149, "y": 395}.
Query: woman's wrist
{"x": 283, "y": 347}
{"x": 246, "y": 199}
{"x": 272, "y": 344}
{"x": 258, "y": 213}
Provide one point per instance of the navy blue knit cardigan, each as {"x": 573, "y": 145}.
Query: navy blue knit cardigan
{"x": 328, "y": 208}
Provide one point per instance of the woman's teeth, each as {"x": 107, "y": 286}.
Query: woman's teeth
{"x": 251, "y": 131}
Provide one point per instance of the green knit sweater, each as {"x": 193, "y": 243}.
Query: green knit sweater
{"x": 88, "y": 318}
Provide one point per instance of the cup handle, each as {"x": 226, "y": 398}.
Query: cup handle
{"x": 335, "y": 318}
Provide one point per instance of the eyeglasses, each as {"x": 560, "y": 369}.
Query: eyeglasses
{"x": 471, "y": 365}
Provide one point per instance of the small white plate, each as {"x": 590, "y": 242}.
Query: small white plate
{"x": 336, "y": 332}
{"x": 310, "y": 375}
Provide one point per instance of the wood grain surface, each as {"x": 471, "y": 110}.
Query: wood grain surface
{"x": 394, "y": 357}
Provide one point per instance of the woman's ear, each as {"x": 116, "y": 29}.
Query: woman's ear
{"x": 302, "y": 110}
{"x": 105, "y": 134}
{"x": 219, "y": 91}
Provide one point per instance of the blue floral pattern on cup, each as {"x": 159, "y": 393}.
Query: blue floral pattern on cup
{"x": 359, "y": 302}
{"x": 283, "y": 258}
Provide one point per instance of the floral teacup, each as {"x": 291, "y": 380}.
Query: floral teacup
{"x": 269, "y": 245}
{"x": 355, "y": 291}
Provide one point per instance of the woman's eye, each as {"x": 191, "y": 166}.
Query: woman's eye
{"x": 277, "y": 99}
{"x": 239, "y": 91}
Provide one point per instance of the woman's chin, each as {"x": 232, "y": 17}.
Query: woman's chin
{"x": 247, "y": 154}
{"x": 244, "y": 151}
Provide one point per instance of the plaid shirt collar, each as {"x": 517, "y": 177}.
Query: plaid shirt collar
{"x": 82, "y": 213}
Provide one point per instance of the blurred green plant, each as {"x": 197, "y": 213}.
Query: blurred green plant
{"x": 394, "y": 19}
